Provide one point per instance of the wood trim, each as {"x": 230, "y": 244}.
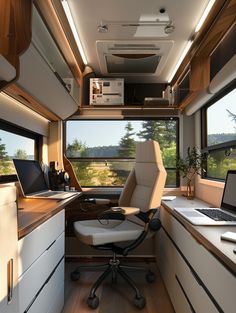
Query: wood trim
{"x": 216, "y": 15}
{"x": 218, "y": 30}
{"x": 24, "y": 97}
{"x": 15, "y": 34}
{"x": 34, "y": 212}
{"x": 199, "y": 73}
{"x": 73, "y": 179}
{"x": 54, "y": 18}
{"x": 190, "y": 97}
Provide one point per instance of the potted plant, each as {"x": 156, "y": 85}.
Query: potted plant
{"x": 189, "y": 167}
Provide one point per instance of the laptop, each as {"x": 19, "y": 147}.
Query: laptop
{"x": 33, "y": 183}
{"x": 225, "y": 215}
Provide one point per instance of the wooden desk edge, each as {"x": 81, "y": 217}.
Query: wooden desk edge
{"x": 24, "y": 228}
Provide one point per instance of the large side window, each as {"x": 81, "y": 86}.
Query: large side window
{"x": 102, "y": 152}
{"x": 15, "y": 143}
{"x": 219, "y": 135}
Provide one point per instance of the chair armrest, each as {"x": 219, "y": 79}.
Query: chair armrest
{"x": 125, "y": 210}
{"x": 97, "y": 201}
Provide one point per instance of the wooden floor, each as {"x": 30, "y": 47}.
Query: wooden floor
{"x": 115, "y": 298}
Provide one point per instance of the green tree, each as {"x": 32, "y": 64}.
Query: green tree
{"x": 21, "y": 154}
{"x": 163, "y": 131}
{"x": 127, "y": 143}
{"x": 5, "y": 167}
{"x": 76, "y": 149}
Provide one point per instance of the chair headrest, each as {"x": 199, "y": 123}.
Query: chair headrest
{"x": 148, "y": 152}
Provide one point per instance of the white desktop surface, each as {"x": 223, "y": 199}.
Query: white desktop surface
{"x": 208, "y": 236}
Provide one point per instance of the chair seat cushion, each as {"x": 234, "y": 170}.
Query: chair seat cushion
{"x": 92, "y": 232}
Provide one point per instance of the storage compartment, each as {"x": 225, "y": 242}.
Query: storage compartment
{"x": 8, "y": 250}
{"x": 35, "y": 243}
{"x": 51, "y": 298}
{"x": 33, "y": 279}
{"x": 205, "y": 265}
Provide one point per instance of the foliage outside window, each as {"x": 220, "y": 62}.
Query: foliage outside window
{"x": 220, "y": 141}
{"x": 15, "y": 143}
{"x": 103, "y": 152}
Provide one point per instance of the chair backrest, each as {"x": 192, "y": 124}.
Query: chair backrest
{"x": 145, "y": 183}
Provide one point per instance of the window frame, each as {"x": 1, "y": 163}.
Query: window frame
{"x": 18, "y": 130}
{"x": 140, "y": 118}
{"x": 205, "y": 149}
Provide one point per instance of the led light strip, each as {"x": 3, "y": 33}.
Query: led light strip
{"x": 189, "y": 43}
{"x": 204, "y": 15}
{"x": 185, "y": 51}
{"x": 74, "y": 31}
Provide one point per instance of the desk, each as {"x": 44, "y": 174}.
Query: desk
{"x": 33, "y": 212}
{"x": 199, "y": 270}
{"x": 41, "y": 249}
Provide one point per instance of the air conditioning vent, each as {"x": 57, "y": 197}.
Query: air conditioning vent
{"x": 138, "y": 57}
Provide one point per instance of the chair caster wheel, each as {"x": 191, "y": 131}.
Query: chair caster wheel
{"x": 140, "y": 302}
{"x": 150, "y": 277}
{"x": 74, "y": 276}
{"x": 93, "y": 302}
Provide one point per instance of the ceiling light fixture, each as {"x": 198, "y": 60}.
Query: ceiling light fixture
{"x": 73, "y": 29}
{"x": 185, "y": 51}
{"x": 169, "y": 28}
{"x": 102, "y": 28}
{"x": 204, "y": 15}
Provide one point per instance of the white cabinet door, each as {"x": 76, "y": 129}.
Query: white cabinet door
{"x": 8, "y": 250}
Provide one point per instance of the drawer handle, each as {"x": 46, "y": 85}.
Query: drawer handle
{"x": 51, "y": 245}
{"x": 185, "y": 295}
{"x": 9, "y": 280}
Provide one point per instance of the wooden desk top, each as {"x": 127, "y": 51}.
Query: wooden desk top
{"x": 33, "y": 212}
{"x": 208, "y": 236}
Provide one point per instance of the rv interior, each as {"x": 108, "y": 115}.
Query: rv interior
{"x": 128, "y": 109}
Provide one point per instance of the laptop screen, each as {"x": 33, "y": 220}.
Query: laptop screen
{"x": 229, "y": 195}
{"x": 30, "y": 176}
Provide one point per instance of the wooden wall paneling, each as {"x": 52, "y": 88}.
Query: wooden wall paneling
{"x": 218, "y": 29}
{"x": 15, "y": 34}
{"x": 199, "y": 73}
{"x": 73, "y": 179}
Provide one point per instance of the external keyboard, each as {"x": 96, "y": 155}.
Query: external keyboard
{"x": 217, "y": 215}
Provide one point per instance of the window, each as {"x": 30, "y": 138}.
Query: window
{"x": 219, "y": 130}
{"x": 102, "y": 152}
{"x": 15, "y": 143}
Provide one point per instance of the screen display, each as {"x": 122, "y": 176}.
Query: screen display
{"x": 229, "y": 196}
{"x": 30, "y": 175}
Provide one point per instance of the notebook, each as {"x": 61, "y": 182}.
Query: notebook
{"x": 225, "y": 215}
{"x": 33, "y": 183}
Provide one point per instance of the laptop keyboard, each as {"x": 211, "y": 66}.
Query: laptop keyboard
{"x": 217, "y": 215}
{"x": 49, "y": 193}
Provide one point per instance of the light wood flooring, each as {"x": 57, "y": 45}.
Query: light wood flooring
{"x": 115, "y": 298}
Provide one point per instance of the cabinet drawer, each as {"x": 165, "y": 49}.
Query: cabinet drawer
{"x": 48, "y": 298}
{"x": 33, "y": 279}
{"x": 165, "y": 265}
{"x": 207, "y": 267}
{"x": 34, "y": 244}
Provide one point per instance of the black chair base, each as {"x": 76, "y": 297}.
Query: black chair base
{"x": 114, "y": 268}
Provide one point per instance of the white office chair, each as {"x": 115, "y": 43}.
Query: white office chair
{"x": 132, "y": 221}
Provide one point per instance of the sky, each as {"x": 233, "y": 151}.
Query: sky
{"x": 99, "y": 133}
{"x": 14, "y": 142}
{"x": 219, "y": 120}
